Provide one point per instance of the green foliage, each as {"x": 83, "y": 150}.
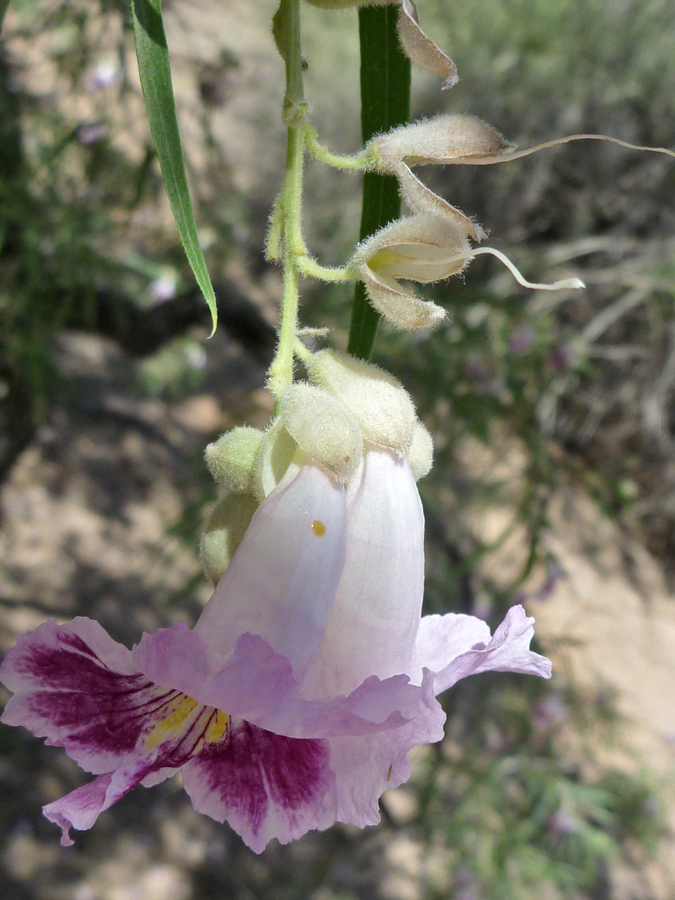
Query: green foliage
{"x": 385, "y": 103}
{"x": 81, "y": 220}
{"x": 516, "y": 813}
{"x": 3, "y": 9}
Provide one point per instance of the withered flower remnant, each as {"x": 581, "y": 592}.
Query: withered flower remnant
{"x": 417, "y": 46}
{"x": 422, "y": 248}
{"x": 451, "y": 138}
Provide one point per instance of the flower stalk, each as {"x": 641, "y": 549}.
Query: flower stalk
{"x": 311, "y": 672}
{"x": 355, "y": 162}
{"x": 285, "y": 234}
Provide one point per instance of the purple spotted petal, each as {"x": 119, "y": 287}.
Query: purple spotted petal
{"x": 263, "y": 784}
{"x": 455, "y": 647}
{"x": 256, "y": 684}
{"x": 78, "y": 688}
{"x": 82, "y": 807}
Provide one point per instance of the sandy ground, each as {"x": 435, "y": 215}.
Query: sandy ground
{"x": 615, "y": 610}
{"x": 609, "y": 625}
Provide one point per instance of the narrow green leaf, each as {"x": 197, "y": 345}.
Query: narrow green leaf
{"x": 385, "y": 103}
{"x": 155, "y": 72}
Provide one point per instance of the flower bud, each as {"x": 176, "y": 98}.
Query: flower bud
{"x": 323, "y": 428}
{"x": 230, "y": 459}
{"x": 421, "y": 454}
{"x": 223, "y": 533}
{"x": 379, "y": 403}
{"x": 275, "y": 456}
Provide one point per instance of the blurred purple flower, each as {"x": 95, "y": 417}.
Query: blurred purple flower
{"x": 550, "y": 711}
{"x": 163, "y": 288}
{"x": 106, "y": 73}
{"x": 560, "y": 357}
{"x": 92, "y": 133}
{"x": 521, "y": 340}
{"x": 562, "y": 823}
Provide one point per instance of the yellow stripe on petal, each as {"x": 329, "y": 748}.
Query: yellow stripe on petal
{"x": 172, "y": 722}
{"x": 216, "y": 727}
{"x": 184, "y": 712}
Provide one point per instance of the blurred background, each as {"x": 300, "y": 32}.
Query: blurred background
{"x": 553, "y": 416}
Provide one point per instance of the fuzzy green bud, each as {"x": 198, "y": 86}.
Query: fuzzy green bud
{"x": 323, "y": 428}
{"x": 230, "y": 459}
{"x": 224, "y": 532}
{"x": 379, "y": 403}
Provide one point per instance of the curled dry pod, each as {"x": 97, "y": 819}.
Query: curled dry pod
{"x": 420, "y": 49}
{"x": 442, "y": 140}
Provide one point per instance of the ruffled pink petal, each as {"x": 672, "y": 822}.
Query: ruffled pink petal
{"x": 256, "y": 684}
{"x": 282, "y": 580}
{"x": 81, "y": 808}
{"x": 374, "y": 621}
{"x": 366, "y": 766}
{"x": 265, "y": 785}
{"x": 441, "y": 639}
{"x": 454, "y": 647}
{"x": 76, "y": 686}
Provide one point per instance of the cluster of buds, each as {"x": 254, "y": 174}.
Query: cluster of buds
{"x": 345, "y": 410}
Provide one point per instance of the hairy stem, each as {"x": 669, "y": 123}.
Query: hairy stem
{"x": 286, "y": 222}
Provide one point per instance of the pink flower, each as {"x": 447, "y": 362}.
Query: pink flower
{"x": 310, "y": 674}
